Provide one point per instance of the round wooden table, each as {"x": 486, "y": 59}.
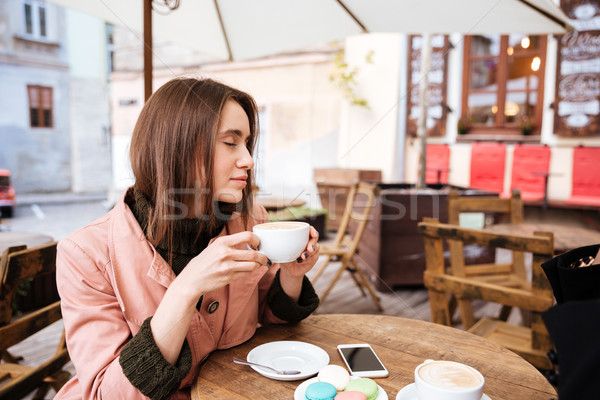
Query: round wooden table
{"x": 400, "y": 343}
{"x": 9, "y": 239}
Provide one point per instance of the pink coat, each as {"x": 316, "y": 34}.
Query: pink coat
{"x": 110, "y": 279}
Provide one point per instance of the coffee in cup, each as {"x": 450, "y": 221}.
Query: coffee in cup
{"x": 448, "y": 380}
{"x": 282, "y": 241}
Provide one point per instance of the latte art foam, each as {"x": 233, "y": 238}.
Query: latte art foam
{"x": 279, "y": 225}
{"x": 449, "y": 376}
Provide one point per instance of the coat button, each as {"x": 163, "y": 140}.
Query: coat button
{"x": 212, "y": 307}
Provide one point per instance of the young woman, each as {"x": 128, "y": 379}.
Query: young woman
{"x": 165, "y": 278}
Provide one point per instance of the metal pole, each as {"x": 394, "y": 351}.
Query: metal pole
{"x": 423, "y": 102}
{"x": 147, "y": 49}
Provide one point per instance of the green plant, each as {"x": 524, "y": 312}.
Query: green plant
{"x": 22, "y": 290}
{"x": 344, "y": 78}
{"x": 294, "y": 213}
{"x": 464, "y": 125}
{"x": 526, "y": 124}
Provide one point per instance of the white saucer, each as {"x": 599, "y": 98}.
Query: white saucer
{"x": 304, "y": 357}
{"x": 409, "y": 392}
{"x": 299, "y": 393}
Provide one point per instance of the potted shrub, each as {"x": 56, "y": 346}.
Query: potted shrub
{"x": 464, "y": 125}
{"x": 526, "y": 125}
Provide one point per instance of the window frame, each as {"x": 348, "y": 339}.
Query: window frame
{"x": 500, "y": 128}
{"x": 41, "y": 109}
{"x": 36, "y": 25}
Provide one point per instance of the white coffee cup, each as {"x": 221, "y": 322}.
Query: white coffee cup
{"x": 448, "y": 380}
{"x": 282, "y": 241}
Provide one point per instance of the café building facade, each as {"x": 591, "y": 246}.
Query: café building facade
{"x": 516, "y": 91}
{"x": 510, "y": 90}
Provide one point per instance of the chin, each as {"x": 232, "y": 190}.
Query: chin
{"x": 230, "y": 197}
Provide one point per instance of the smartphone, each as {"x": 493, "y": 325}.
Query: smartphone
{"x": 362, "y": 361}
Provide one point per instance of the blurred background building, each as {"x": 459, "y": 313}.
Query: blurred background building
{"x": 72, "y": 88}
{"x": 55, "y": 118}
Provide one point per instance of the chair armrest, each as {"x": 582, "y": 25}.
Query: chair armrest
{"x": 532, "y": 244}
{"x": 26, "y": 326}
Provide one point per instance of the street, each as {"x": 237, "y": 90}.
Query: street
{"x": 54, "y": 218}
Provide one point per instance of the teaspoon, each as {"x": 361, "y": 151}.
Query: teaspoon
{"x": 286, "y": 372}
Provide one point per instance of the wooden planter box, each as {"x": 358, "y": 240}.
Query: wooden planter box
{"x": 391, "y": 249}
{"x": 319, "y": 222}
{"x": 334, "y": 184}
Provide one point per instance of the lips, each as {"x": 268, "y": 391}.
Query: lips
{"x": 240, "y": 179}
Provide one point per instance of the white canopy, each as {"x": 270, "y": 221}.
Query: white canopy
{"x": 262, "y": 27}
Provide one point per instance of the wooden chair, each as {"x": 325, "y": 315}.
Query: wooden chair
{"x": 531, "y": 343}
{"x": 345, "y": 245}
{"x": 512, "y": 274}
{"x": 16, "y": 380}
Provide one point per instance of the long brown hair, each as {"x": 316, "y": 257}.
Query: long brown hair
{"x": 174, "y": 139}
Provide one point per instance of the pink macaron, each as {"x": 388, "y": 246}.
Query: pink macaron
{"x": 352, "y": 395}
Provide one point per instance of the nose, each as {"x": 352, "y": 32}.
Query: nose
{"x": 245, "y": 161}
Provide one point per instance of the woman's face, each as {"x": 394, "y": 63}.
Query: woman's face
{"x": 232, "y": 157}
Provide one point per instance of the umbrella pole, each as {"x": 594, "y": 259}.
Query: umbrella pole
{"x": 423, "y": 101}
{"x": 147, "y": 49}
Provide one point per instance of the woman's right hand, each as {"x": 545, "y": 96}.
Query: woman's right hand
{"x": 223, "y": 261}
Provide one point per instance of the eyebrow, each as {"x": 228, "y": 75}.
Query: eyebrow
{"x": 235, "y": 132}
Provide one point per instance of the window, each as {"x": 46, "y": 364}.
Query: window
{"x": 110, "y": 49}
{"x": 503, "y": 83}
{"x": 40, "y": 106}
{"x": 35, "y": 19}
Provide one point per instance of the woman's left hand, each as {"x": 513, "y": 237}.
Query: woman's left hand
{"x": 307, "y": 259}
{"x": 291, "y": 274}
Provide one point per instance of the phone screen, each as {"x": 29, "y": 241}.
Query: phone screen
{"x": 361, "y": 359}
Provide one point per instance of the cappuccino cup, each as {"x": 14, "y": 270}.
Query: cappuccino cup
{"x": 448, "y": 380}
{"x": 282, "y": 241}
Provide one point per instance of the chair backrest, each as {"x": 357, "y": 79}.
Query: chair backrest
{"x": 512, "y": 206}
{"x": 361, "y": 197}
{"x": 487, "y": 166}
{"x": 538, "y": 299}
{"x": 19, "y": 264}
{"x": 530, "y": 167}
{"x": 438, "y": 163}
{"x": 586, "y": 180}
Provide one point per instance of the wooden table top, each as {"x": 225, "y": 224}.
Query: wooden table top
{"x": 400, "y": 343}
{"x": 565, "y": 237}
{"x": 9, "y": 239}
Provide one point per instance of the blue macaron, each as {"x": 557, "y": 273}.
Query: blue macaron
{"x": 320, "y": 391}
